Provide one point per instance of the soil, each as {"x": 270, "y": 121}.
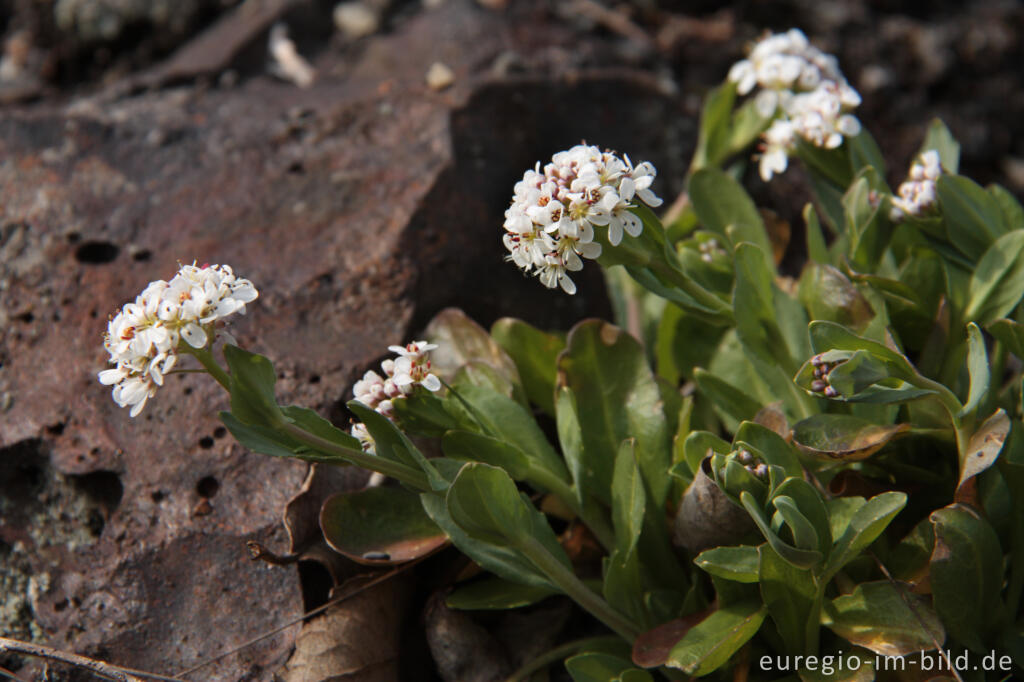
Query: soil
{"x": 134, "y": 135}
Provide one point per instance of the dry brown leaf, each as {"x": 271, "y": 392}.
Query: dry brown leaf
{"x": 358, "y": 639}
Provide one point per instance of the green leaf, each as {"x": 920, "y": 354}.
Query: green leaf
{"x": 628, "y": 498}
{"x": 268, "y": 441}
{"x": 866, "y": 525}
{"x": 713, "y": 134}
{"x": 973, "y": 219}
{"x": 754, "y": 307}
{"x": 474, "y": 447}
{"x": 252, "y": 388}
{"x": 941, "y": 140}
{"x": 711, "y": 643}
{"x": 801, "y": 558}
{"x": 997, "y": 284}
{"x": 535, "y": 354}
{"x": 739, "y": 563}
{"x": 596, "y": 667}
{"x": 865, "y": 219}
{"x": 506, "y": 562}
{"x": 505, "y": 419}
{"x": 843, "y": 437}
{"x": 697, "y": 445}
{"x": 424, "y": 414}
{"x": 494, "y": 594}
{"x": 1010, "y": 334}
{"x": 313, "y": 423}
{"x": 878, "y": 617}
{"x": 829, "y": 295}
{"x": 789, "y": 595}
{"x": 616, "y": 398}
{"x": 799, "y": 502}
{"x": 966, "y": 576}
{"x": 461, "y": 340}
{"x": 484, "y": 501}
{"x": 394, "y": 445}
{"x": 736, "y": 403}
{"x": 747, "y": 126}
{"x": 623, "y": 585}
{"x": 816, "y": 249}
{"x": 1013, "y": 212}
{"x": 570, "y": 438}
{"x": 977, "y": 368}
{"x": 724, "y": 207}
{"x": 771, "y": 445}
{"x": 864, "y": 152}
{"x": 826, "y": 336}
{"x": 379, "y": 526}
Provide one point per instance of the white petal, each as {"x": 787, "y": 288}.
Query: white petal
{"x": 194, "y": 335}
{"x": 633, "y": 225}
{"x": 567, "y": 284}
{"x": 431, "y": 383}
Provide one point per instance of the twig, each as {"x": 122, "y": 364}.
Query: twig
{"x": 612, "y": 20}
{"x": 261, "y": 553}
{"x": 320, "y": 609}
{"x": 100, "y": 668}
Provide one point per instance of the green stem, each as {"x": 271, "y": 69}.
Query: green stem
{"x": 405, "y": 474}
{"x": 589, "y": 514}
{"x": 567, "y": 581}
{"x": 559, "y": 653}
{"x": 206, "y": 359}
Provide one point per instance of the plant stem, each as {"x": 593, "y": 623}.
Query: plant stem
{"x": 567, "y": 581}
{"x": 402, "y": 472}
{"x": 589, "y": 514}
{"x": 205, "y": 357}
{"x": 559, "y": 653}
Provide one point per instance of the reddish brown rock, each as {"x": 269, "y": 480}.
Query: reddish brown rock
{"x": 359, "y": 207}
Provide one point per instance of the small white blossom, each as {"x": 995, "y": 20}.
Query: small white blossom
{"x": 145, "y": 336}
{"x": 556, "y": 211}
{"x": 401, "y": 377}
{"x": 366, "y": 441}
{"x": 917, "y": 195}
{"x": 804, "y": 92}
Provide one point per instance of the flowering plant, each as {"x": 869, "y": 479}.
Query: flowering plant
{"x": 748, "y": 489}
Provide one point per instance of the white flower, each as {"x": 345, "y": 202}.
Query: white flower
{"x": 366, "y": 441}
{"x": 801, "y": 86}
{"x": 401, "y": 377}
{"x": 557, "y": 211}
{"x": 917, "y": 195}
{"x": 145, "y": 337}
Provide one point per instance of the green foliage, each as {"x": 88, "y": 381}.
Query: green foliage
{"x": 794, "y": 416}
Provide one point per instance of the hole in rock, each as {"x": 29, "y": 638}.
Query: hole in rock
{"x": 96, "y": 253}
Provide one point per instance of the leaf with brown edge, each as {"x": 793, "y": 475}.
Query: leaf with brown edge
{"x": 772, "y": 417}
{"x": 379, "y": 526}
{"x": 844, "y": 438}
{"x": 982, "y": 452}
{"x": 651, "y": 648}
{"x": 461, "y": 340}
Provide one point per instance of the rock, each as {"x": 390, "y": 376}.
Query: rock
{"x": 359, "y": 207}
{"x": 439, "y": 76}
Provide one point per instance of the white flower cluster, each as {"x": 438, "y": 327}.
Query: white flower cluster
{"x": 143, "y": 339}
{"x": 802, "y": 86}
{"x": 917, "y": 195}
{"x": 550, "y": 225}
{"x": 410, "y": 369}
